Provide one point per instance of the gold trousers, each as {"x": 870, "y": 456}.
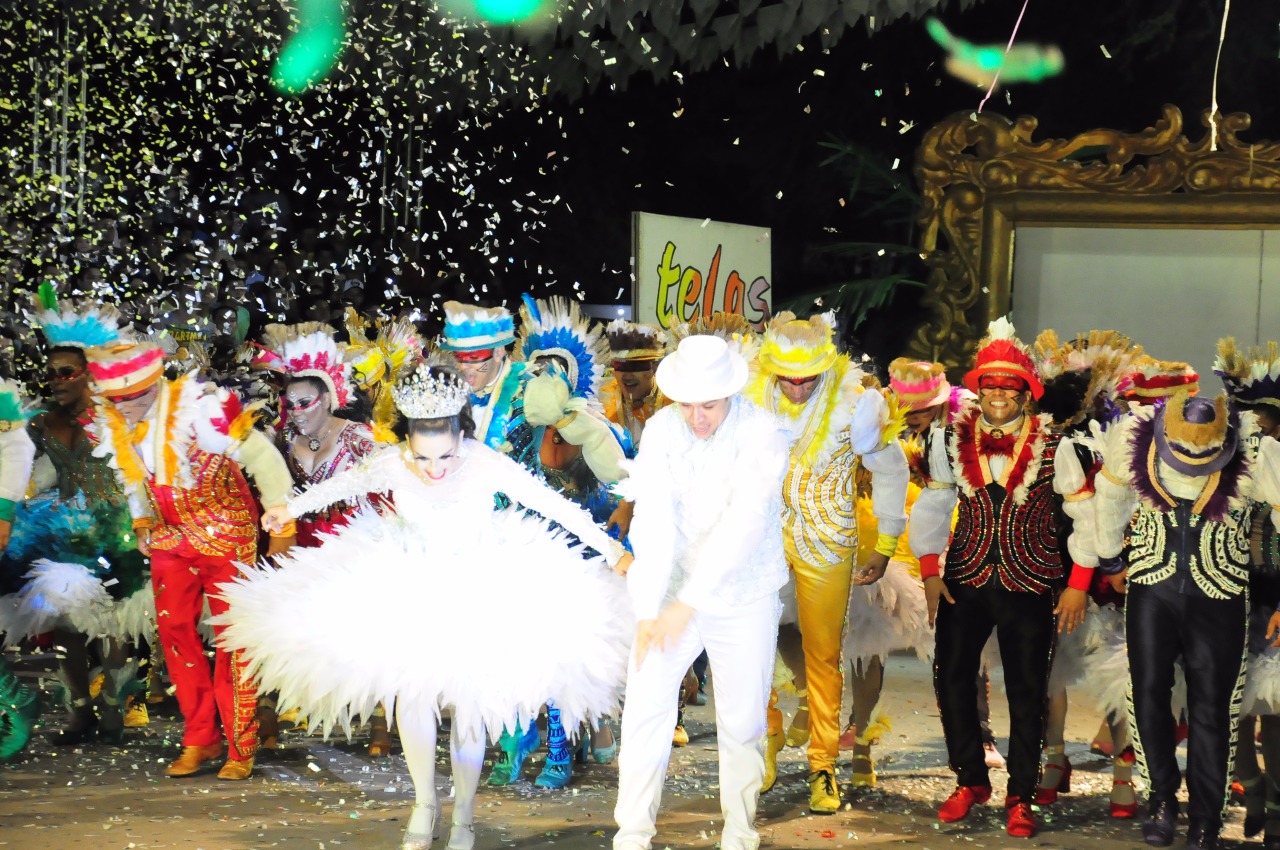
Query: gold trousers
{"x": 822, "y": 600}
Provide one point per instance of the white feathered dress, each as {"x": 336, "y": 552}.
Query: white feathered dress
{"x": 401, "y": 607}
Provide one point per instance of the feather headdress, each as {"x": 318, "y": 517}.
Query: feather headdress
{"x": 1250, "y": 377}
{"x": 557, "y": 328}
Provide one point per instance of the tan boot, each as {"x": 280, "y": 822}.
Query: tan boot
{"x": 136, "y": 713}
{"x": 379, "y": 735}
{"x": 268, "y": 728}
{"x": 236, "y": 770}
{"x": 191, "y": 759}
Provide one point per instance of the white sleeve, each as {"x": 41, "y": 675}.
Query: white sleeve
{"x": 1114, "y": 504}
{"x": 520, "y": 485}
{"x": 1266, "y": 477}
{"x": 653, "y": 528}
{"x": 17, "y": 454}
{"x": 373, "y": 474}
{"x": 1071, "y": 482}
{"x": 889, "y": 479}
{"x": 753, "y": 485}
{"x": 139, "y": 504}
{"x": 930, "y": 528}
{"x": 866, "y": 426}
{"x": 940, "y": 471}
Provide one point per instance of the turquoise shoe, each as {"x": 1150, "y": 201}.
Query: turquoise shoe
{"x": 515, "y": 749}
{"x": 19, "y": 708}
{"x": 558, "y": 769}
{"x": 604, "y": 755}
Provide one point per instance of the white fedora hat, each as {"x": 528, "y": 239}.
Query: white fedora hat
{"x": 702, "y": 368}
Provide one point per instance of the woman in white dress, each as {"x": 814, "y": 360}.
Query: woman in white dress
{"x": 452, "y": 554}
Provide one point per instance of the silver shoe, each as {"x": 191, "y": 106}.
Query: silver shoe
{"x": 462, "y": 837}
{"x": 422, "y": 840}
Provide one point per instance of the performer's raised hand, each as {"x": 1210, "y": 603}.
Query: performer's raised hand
{"x": 275, "y": 519}
{"x": 935, "y": 589}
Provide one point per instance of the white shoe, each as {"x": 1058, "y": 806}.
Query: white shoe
{"x": 462, "y": 837}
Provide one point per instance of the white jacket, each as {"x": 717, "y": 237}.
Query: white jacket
{"x": 708, "y": 520}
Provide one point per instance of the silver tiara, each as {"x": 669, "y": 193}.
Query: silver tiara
{"x": 424, "y": 394}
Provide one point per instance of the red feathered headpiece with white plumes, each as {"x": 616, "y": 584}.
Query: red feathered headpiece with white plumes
{"x": 307, "y": 350}
{"x": 1002, "y": 353}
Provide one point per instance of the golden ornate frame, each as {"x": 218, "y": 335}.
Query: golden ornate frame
{"x": 982, "y": 175}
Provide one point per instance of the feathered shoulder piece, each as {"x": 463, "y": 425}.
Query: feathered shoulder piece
{"x": 74, "y": 323}
{"x": 557, "y": 328}
{"x": 1250, "y": 377}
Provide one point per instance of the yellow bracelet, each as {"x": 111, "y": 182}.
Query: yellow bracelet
{"x": 887, "y": 544}
{"x": 568, "y": 418}
{"x": 143, "y": 522}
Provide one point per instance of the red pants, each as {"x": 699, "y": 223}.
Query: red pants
{"x": 183, "y": 579}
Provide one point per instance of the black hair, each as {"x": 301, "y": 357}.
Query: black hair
{"x": 318, "y": 385}
{"x": 1063, "y": 397}
{"x": 69, "y": 349}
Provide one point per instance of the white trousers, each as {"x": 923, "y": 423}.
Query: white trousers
{"x": 741, "y": 648}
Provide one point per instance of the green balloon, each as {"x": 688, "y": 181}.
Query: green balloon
{"x": 308, "y": 57}
{"x": 507, "y": 11}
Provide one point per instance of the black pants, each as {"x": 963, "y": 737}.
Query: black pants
{"x": 1160, "y": 625}
{"x": 1024, "y": 625}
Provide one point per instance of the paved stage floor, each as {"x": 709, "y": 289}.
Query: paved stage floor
{"x": 317, "y": 795}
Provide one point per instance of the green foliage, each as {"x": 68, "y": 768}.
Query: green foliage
{"x": 883, "y": 201}
{"x": 855, "y": 299}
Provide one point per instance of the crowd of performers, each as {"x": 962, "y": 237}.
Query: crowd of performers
{"x": 635, "y": 506}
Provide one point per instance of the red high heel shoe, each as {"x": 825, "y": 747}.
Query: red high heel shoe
{"x": 1124, "y": 810}
{"x": 1048, "y": 795}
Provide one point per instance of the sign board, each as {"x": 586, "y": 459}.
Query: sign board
{"x": 689, "y": 267}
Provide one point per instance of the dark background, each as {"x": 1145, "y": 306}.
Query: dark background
{"x": 536, "y": 193}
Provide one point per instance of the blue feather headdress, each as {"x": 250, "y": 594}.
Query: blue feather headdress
{"x": 469, "y": 327}
{"x": 75, "y": 324}
{"x": 557, "y": 328}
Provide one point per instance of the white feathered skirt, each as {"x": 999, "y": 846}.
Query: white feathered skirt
{"x": 384, "y": 611}
{"x": 887, "y": 616}
{"x": 1262, "y": 679}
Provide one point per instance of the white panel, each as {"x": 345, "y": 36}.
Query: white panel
{"x": 1269, "y": 308}
{"x": 1174, "y": 291}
